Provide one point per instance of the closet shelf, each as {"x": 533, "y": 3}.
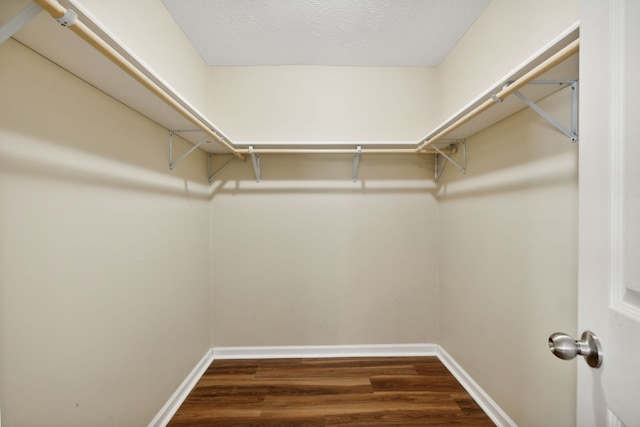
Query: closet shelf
{"x": 89, "y": 51}
{"x": 100, "y": 59}
{"x": 556, "y": 64}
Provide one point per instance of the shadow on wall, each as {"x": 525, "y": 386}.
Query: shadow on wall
{"x": 54, "y": 125}
{"x": 331, "y": 174}
{"x": 521, "y": 152}
{"x": 47, "y": 161}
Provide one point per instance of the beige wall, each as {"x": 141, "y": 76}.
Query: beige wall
{"x": 508, "y": 229}
{"x": 314, "y": 103}
{"x": 506, "y": 34}
{"x": 104, "y": 279}
{"x": 307, "y": 256}
{"x": 508, "y": 264}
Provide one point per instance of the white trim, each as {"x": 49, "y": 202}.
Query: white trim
{"x": 283, "y": 352}
{"x": 488, "y": 405}
{"x": 170, "y": 408}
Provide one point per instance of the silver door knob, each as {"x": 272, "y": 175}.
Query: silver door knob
{"x": 565, "y": 347}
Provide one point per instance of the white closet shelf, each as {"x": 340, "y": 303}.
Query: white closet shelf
{"x": 63, "y": 46}
{"x": 103, "y": 61}
{"x": 566, "y": 70}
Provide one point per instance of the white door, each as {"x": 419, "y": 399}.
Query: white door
{"x": 609, "y": 248}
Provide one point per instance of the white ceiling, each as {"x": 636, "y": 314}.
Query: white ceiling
{"x": 324, "y": 32}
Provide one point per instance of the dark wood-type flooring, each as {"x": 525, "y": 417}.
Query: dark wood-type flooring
{"x": 375, "y": 391}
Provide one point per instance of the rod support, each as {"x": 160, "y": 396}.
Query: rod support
{"x": 172, "y": 163}
{"x": 255, "y": 159}
{"x": 68, "y": 19}
{"x": 572, "y": 133}
{"x": 211, "y": 175}
{"x": 439, "y": 167}
{"x": 356, "y": 162}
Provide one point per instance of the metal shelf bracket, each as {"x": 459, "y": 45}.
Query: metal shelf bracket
{"x": 172, "y": 163}
{"x": 356, "y": 163}
{"x": 210, "y": 174}
{"x": 572, "y": 133}
{"x": 255, "y": 158}
{"x": 9, "y": 28}
{"x": 439, "y": 165}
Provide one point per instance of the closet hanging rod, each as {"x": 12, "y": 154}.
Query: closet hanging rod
{"x": 569, "y": 50}
{"x": 69, "y": 19}
{"x": 341, "y": 151}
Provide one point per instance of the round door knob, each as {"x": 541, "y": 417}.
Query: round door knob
{"x": 565, "y": 347}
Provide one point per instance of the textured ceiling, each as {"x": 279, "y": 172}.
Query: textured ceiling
{"x": 325, "y": 32}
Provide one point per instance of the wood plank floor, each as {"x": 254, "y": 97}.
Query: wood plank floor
{"x": 376, "y": 391}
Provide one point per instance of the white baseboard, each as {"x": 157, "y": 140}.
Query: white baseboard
{"x": 170, "y": 408}
{"x": 284, "y": 352}
{"x": 488, "y": 405}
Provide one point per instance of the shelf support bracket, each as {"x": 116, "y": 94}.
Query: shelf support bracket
{"x": 172, "y": 163}
{"x": 211, "y": 175}
{"x": 439, "y": 168}
{"x": 356, "y": 163}
{"x": 9, "y": 28}
{"x": 255, "y": 158}
{"x": 572, "y": 133}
